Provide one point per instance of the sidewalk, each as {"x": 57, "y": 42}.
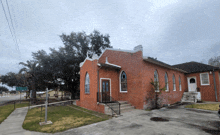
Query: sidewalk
{"x": 13, "y": 124}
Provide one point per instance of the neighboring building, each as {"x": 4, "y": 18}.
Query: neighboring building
{"x": 125, "y": 75}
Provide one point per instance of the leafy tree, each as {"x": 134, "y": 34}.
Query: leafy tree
{"x": 64, "y": 62}
{"x": 2, "y": 88}
{"x": 9, "y": 79}
{"x": 153, "y": 97}
{"x": 215, "y": 61}
{"x": 32, "y": 69}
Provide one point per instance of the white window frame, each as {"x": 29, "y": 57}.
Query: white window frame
{"x": 157, "y": 81}
{"x": 120, "y": 83}
{"x": 201, "y": 78}
{"x": 180, "y": 86}
{"x": 87, "y": 92}
{"x": 174, "y": 84}
{"x": 167, "y": 89}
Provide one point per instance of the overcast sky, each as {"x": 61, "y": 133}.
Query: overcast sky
{"x": 173, "y": 31}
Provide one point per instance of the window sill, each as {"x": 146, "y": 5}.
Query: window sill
{"x": 123, "y": 91}
{"x": 87, "y": 93}
{"x": 205, "y": 84}
{"x": 174, "y": 90}
{"x": 166, "y": 90}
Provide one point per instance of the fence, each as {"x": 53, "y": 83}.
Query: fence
{"x": 42, "y": 106}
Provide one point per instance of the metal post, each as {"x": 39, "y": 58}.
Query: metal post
{"x": 20, "y": 96}
{"x": 119, "y": 108}
{"x": 14, "y": 105}
{"x": 46, "y": 105}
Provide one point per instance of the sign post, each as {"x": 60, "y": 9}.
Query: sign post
{"x": 46, "y": 106}
{"x": 20, "y": 89}
{"x": 46, "y": 103}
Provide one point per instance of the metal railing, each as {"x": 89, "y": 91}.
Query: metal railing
{"x": 114, "y": 105}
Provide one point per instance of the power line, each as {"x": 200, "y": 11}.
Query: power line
{"x": 12, "y": 24}
{"x": 8, "y": 23}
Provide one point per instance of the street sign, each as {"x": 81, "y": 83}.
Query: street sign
{"x": 21, "y": 88}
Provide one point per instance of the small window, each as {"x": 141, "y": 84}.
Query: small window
{"x": 123, "y": 82}
{"x": 180, "y": 87}
{"x": 166, "y": 82}
{"x": 174, "y": 83}
{"x": 87, "y": 83}
{"x": 204, "y": 78}
{"x": 156, "y": 80}
{"x": 192, "y": 80}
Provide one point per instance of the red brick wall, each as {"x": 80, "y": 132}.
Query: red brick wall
{"x": 89, "y": 101}
{"x": 131, "y": 64}
{"x": 171, "y": 96}
{"x": 139, "y": 74}
{"x": 207, "y": 91}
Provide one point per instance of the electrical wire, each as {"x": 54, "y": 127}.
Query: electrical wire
{"x": 12, "y": 25}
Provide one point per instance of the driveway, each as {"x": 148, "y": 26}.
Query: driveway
{"x": 177, "y": 121}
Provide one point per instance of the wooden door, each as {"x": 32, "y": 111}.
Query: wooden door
{"x": 105, "y": 91}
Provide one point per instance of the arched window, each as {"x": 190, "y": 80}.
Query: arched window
{"x": 180, "y": 87}
{"x": 156, "y": 80}
{"x": 87, "y": 83}
{"x": 192, "y": 80}
{"x": 123, "y": 79}
{"x": 166, "y": 82}
{"x": 174, "y": 83}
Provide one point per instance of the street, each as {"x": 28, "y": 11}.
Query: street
{"x": 4, "y": 99}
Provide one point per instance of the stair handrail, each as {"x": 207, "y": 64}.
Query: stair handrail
{"x": 112, "y": 100}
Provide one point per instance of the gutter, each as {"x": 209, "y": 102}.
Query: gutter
{"x": 216, "y": 97}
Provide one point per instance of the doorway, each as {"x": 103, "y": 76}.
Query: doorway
{"x": 105, "y": 89}
{"x": 192, "y": 84}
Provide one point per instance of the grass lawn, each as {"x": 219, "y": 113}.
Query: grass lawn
{"x": 6, "y": 110}
{"x": 213, "y": 107}
{"x": 63, "y": 118}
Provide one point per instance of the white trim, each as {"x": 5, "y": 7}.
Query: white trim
{"x": 180, "y": 85}
{"x": 167, "y": 89}
{"x": 201, "y": 78}
{"x": 112, "y": 64}
{"x": 120, "y": 50}
{"x": 120, "y": 83}
{"x": 86, "y": 84}
{"x": 87, "y": 58}
{"x": 109, "y": 84}
{"x": 174, "y": 88}
{"x": 188, "y": 78}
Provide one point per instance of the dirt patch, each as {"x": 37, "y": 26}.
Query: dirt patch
{"x": 159, "y": 119}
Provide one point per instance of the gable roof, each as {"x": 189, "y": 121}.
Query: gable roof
{"x": 160, "y": 63}
{"x": 194, "y": 67}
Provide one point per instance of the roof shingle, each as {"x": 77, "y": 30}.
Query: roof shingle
{"x": 194, "y": 67}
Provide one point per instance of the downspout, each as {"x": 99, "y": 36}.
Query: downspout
{"x": 98, "y": 83}
{"x": 216, "y": 97}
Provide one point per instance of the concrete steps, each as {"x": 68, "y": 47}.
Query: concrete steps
{"x": 189, "y": 97}
{"x": 124, "y": 107}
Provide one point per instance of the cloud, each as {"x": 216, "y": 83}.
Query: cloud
{"x": 174, "y": 31}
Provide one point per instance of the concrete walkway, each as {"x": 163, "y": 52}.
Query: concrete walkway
{"x": 181, "y": 121}
{"x": 13, "y": 124}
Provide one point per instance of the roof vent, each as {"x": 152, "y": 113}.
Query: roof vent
{"x": 138, "y": 48}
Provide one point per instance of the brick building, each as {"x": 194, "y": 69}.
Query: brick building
{"x": 125, "y": 75}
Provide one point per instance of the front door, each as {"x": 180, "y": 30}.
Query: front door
{"x": 192, "y": 84}
{"x": 105, "y": 91}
